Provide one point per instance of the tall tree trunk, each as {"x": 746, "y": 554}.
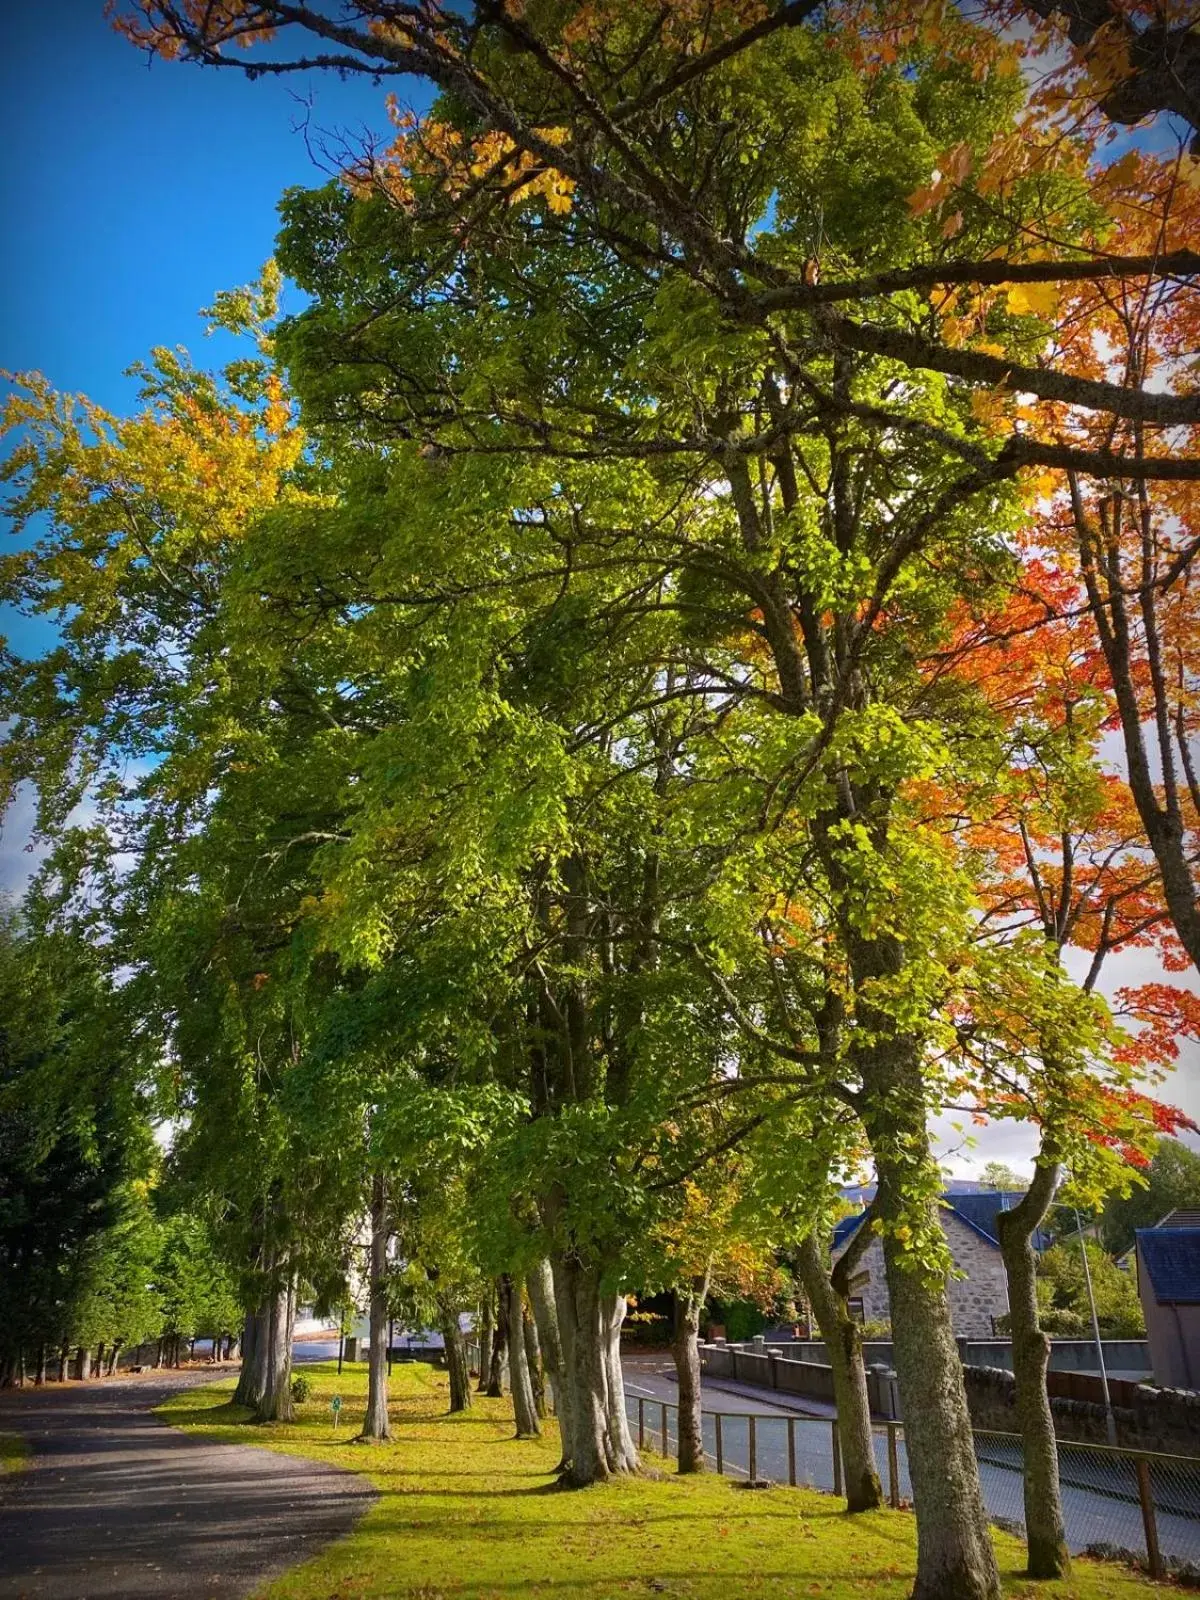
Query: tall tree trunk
{"x": 114, "y": 1356}
{"x": 524, "y": 1410}
{"x": 685, "y": 1348}
{"x": 84, "y": 1361}
{"x": 375, "y": 1423}
{"x": 39, "y": 1370}
{"x": 843, "y": 1340}
{"x": 485, "y": 1340}
{"x": 456, "y": 1357}
{"x": 623, "y": 1456}
{"x": 1045, "y": 1534}
{"x": 252, "y": 1380}
{"x": 533, "y": 1360}
{"x": 955, "y": 1559}
{"x": 589, "y": 1323}
{"x": 276, "y": 1402}
{"x": 545, "y": 1312}
{"x": 64, "y": 1355}
{"x": 577, "y": 1299}
{"x": 100, "y": 1367}
{"x": 500, "y": 1337}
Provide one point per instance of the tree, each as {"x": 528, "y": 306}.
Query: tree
{"x": 1063, "y": 1299}
{"x": 1170, "y": 1182}
{"x": 601, "y": 442}
{"x": 76, "y": 1233}
{"x": 998, "y": 1175}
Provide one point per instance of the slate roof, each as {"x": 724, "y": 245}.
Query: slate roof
{"x": 976, "y": 1207}
{"x": 1171, "y": 1257}
{"x": 1179, "y": 1218}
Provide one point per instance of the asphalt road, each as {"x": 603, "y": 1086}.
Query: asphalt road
{"x": 112, "y": 1504}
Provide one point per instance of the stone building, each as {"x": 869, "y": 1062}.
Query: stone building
{"x": 978, "y": 1292}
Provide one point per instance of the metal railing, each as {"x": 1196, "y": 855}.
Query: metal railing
{"x": 1137, "y": 1505}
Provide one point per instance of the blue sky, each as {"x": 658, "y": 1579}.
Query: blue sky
{"x": 131, "y": 191}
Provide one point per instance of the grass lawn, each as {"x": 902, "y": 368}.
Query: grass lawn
{"x": 465, "y": 1510}
{"x": 13, "y": 1451}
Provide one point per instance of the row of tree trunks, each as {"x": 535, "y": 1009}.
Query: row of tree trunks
{"x": 36, "y": 1364}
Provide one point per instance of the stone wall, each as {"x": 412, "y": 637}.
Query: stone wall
{"x": 1124, "y": 1358}
{"x": 1158, "y": 1419}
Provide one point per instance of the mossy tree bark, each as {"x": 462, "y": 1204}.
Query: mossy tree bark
{"x": 600, "y": 1444}
{"x": 541, "y": 1297}
{"x": 955, "y": 1558}
{"x": 1045, "y": 1533}
{"x": 685, "y": 1348}
{"x": 524, "y": 1408}
{"x": 275, "y": 1404}
{"x": 533, "y": 1357}
{"x": 828, "y": 1295}
{"x": 252, "y": 1379}
{"x": 500, "y": 1334}
{"x": 456, "y": 1357}
{"x": 486, "y": 1320}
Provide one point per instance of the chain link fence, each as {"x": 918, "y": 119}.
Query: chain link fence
{"x": 1131, "y": 1505}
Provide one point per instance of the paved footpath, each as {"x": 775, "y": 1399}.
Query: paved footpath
{"x": 111, "y": 1505}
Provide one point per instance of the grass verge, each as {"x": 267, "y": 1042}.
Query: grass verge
{"x": 13, "y": 1451}
{"x": 466, "y": 1511}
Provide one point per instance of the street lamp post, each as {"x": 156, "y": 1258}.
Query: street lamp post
{"x": 1110, "y": 1421}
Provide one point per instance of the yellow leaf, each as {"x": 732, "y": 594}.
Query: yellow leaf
{"x": 1125, "y": 170}
{"x": 1033, "y": 299}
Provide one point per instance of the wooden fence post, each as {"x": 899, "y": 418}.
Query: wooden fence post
{"x": 1146, "y": 1495}
{"x": 893, "y": 1468}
